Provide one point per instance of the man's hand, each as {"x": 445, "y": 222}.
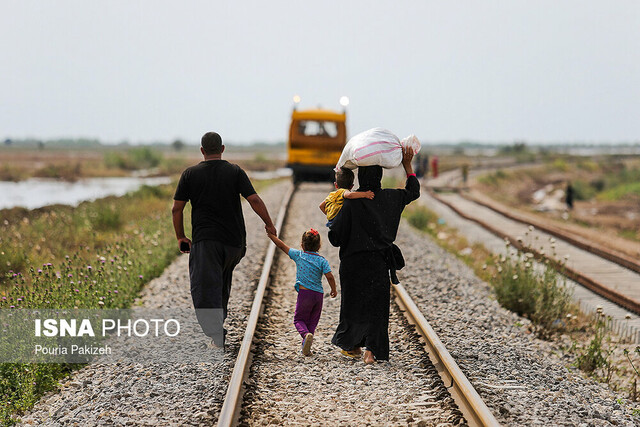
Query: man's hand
{"x": 271, "y": 229}
{"x": 187, "y": 241}
{"x": 407, "y": 156}
{"x": 333, "y": 293}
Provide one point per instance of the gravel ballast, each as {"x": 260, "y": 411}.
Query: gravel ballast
{"x": 327, "y": 388}
{"x": 520, "y": 378}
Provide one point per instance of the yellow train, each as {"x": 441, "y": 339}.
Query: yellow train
{"x": 316, "y": 140}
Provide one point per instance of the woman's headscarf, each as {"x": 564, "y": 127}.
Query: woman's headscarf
{"x": 369, "y": 178}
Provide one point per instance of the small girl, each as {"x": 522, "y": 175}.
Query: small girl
{"x": 310, "y": 266}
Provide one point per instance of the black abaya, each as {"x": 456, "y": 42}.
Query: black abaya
{"x": 365, "y": 230}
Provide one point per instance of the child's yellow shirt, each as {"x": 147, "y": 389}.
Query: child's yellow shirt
{"x": 333, "y": 203}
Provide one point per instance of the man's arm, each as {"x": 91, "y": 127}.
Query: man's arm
{"x": 260, "y": 209}
{"x": 358, "y": 194}
{"x": 178, "y": 222}
{"x": 332, "y": 283}
{"x": 279, "y": 243}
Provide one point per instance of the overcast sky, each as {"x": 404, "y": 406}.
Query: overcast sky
{"x": 491, "y": 71}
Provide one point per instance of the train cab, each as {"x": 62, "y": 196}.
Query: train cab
{"x": 316, "y": 140}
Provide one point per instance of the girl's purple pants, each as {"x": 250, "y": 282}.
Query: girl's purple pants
{"x": 308, "y": 310}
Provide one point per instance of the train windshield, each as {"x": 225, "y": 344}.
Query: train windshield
{"x": 318, "y": 128}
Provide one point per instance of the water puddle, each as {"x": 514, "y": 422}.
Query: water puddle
{"x": 37, "y": 192}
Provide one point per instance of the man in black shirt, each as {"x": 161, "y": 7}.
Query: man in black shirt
{"x": 214, "y": 187}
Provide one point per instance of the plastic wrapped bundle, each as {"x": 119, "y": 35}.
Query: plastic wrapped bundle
{"x": 376, "y": 147}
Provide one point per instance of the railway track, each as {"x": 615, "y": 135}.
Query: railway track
{"x": 608, "y": 273}
{"x": 273, "y": 383}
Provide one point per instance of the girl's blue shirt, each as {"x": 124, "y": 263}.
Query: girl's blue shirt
{"x": 310, "y": 267}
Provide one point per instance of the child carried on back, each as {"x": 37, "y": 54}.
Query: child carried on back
{"x": 343, "y": 183}
{"x": 310, "y": 267}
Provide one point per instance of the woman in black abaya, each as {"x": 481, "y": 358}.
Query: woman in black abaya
{"x": 365, "y": 231}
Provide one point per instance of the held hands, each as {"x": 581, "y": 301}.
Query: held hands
{"x": 271, "y": 229}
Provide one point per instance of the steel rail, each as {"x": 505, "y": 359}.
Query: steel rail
{"x": 475, "y": 411}
{"x": 230, "y": 408}
{"x": 597, "y": 287}
{"x": 581, "y": 242}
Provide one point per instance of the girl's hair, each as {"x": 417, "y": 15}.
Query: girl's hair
{"x": 311, "y": 240}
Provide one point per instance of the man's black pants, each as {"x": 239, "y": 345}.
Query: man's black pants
{"x": 211, "y": 265}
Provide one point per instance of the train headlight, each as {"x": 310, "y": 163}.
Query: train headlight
{"x": 344, "y": 101}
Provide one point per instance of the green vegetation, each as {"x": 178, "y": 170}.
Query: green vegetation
{"x": 520, "y": 151}
{"x": 621, "y": 191}
{"x": 494, "y": 179}
{"x": 611, "y": 183}
{"x": 420, "y": 217}
{"x": 97, "y": 255}
{"x": 597, "y": 354}
{"x": 538, "y": 294}
{"x": 11, "y": 173}
{"x": 133, "y": 159}
{"x": 559, "y": 165}
{"x": 583, "y": 190}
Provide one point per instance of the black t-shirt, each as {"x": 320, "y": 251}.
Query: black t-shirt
{"x": 214, "y": 188}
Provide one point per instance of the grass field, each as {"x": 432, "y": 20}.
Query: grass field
{"x": 17, "y": 164}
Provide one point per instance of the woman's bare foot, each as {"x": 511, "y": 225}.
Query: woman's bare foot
{"x": 369, "y": 359}
{"x": 357, "y": 351}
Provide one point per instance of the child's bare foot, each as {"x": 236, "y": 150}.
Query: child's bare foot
{"x": 369, "y": 359}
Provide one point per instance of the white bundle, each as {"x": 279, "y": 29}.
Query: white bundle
{"x": 376, "y": 147}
